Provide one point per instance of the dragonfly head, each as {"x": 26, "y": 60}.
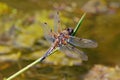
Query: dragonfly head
{"x": 70, "y": 30}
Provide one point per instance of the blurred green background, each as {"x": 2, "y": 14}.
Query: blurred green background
{"x": 22, "y": 40}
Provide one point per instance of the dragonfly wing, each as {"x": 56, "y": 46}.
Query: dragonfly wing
{"x": 47, "y": 32}
{"x": 83, "y": 43}
{"x": 57, "y": 25}
{"x": 73, "y": 52}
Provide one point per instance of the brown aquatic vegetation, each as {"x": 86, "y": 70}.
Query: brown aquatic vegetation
{"x": 100, "y": 72}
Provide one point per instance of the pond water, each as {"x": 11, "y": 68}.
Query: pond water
{"x": 101, "y": 24}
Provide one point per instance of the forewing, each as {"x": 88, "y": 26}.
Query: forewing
{"x": 83, "y": 43}
{"x": 57, "y": 25}
{"x": 73, "y": 52}
{"x": 47, "y": 31}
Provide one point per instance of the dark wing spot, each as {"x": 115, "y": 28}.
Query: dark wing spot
{"x": 80, "y": 39}
{"x": 50, "y": 30}
{"x": 57, "y": 13}
{"x": 58, "y": 21}
{"x": 45, "y": 23}
{"x": 72, "y": 47}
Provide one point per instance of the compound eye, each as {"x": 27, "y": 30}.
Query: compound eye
{"x": 70, "y": 31}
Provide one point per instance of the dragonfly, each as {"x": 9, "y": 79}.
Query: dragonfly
{"x": 64, "y": 41}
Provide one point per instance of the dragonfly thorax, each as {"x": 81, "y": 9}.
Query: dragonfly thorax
{"x": 61, "y": 39}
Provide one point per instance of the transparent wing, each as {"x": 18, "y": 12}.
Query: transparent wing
{"x": 83, "y": 43}
{"x": 57, "y": 25}
{"x": 47, "y": 31}
{"x": 73, "y": 52}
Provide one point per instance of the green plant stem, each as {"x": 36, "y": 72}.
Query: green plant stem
{"x": 29, "y": 66}
{"x": 78, "y": 25}
{"x": 25, "y": 68}
{"x": 42, "y": 58}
